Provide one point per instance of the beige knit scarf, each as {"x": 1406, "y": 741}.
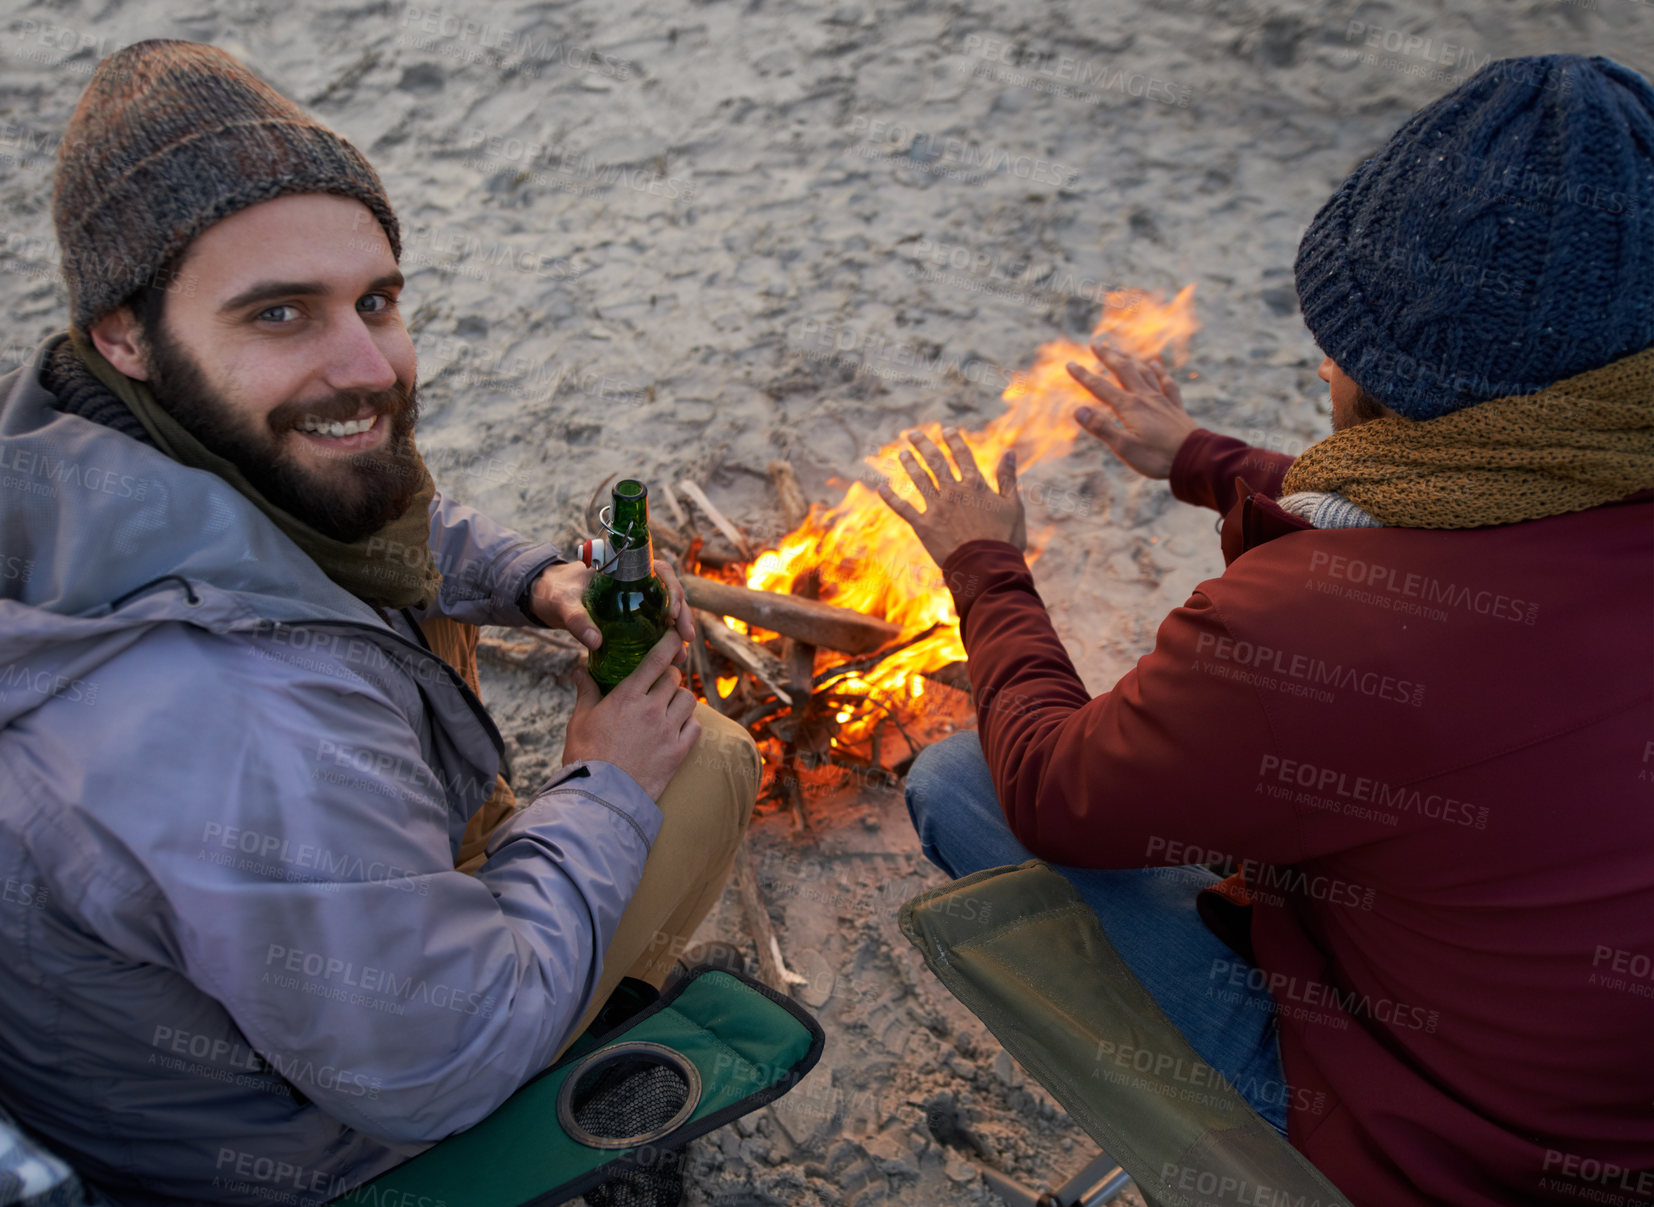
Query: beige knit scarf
{"x": 1581, "y": 442}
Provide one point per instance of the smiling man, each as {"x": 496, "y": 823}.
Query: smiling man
{"x": 274, "y": 921}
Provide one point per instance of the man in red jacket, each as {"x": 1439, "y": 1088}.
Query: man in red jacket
{"x": 1415, "y": 709}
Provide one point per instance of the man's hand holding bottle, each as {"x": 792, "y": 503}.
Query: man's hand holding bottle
{"x": 559, "y": 589}
{"x": 645, "y": 726}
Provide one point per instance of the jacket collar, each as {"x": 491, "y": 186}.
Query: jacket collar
{"x": 1254, "y": 519}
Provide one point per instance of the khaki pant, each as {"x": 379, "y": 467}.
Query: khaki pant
{"x": 706, "y": 806}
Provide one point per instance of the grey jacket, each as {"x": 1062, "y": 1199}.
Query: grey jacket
{"x": 236, "y": 964}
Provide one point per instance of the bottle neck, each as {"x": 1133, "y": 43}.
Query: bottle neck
{"x": 634, "y": 550}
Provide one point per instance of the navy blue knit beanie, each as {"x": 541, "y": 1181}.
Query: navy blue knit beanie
{"x": 1503, "y": 239}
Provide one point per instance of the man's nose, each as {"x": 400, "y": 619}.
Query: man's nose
{"x": 355, "y": 360}
{"x": 1325, "y": 371}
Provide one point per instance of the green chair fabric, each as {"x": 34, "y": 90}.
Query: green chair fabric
{"x": 746, "y": 1046}
{"x": 1022, "y": 952}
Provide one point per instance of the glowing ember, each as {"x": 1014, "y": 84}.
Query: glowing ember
{"x": 726, "y": 684}
{"x": 869, "y": 560}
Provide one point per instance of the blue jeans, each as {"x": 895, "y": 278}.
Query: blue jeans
{"x": 1148, "y": 915}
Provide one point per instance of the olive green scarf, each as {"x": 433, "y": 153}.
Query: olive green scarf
{"x": 375, "y": 569}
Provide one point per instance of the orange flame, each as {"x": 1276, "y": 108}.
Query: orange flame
{"x": 871, "y": 561}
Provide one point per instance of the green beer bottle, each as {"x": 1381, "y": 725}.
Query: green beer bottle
{"x": 625, "y": 598}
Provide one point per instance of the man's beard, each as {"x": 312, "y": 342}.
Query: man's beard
{"x": 380, "y": 483}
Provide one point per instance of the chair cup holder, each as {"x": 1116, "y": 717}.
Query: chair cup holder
{"x": 628, "y": 1094}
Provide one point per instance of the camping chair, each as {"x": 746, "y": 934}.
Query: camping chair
{"x": 609, "y": 1120}
{"x": 1022, "y": 952}
{"x": 615, "y": 1112}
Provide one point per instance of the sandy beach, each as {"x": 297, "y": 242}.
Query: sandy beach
{"x": 686, "y": 238}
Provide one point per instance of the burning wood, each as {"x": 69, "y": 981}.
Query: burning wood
{"x": 745, "y": 653}
{"x": 864, "y": 621}
{"x": 870, "y": 561}
{"x": 803, "y": 619}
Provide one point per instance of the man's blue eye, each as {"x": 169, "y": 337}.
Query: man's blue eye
{"x": 385, "y": 298}
{"x": 267, "y": 311}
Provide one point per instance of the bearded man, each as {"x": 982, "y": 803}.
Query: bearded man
{"x": 285, "y": 921}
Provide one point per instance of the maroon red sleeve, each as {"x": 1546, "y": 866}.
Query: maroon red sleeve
{"x": 1207, "y": 464}
{"x": 1170, "y": 755}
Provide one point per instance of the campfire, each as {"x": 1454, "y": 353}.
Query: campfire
{"x": 851, "y": 697}
{"x": 839, "y": 648}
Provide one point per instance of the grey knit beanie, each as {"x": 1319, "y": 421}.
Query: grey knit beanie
{"x": 169, "y": 138}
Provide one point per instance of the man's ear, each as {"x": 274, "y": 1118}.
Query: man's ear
{"x": 119, "y": 337}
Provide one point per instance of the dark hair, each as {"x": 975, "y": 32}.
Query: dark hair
{"x": 148, "y": 301}
{"x": 1365, "y": 405}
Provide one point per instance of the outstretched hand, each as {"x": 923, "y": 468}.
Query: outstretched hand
{"x": 958, "y": 507}
{"x": 1145, "y": 423}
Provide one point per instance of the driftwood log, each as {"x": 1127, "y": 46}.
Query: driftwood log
{"x": 804, "y": 620}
